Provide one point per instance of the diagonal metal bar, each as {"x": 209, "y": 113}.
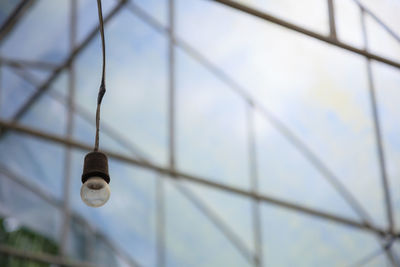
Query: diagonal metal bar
{"x": 378, "y": 139}
{"x": 218, "y": 222}
{"x": 14, "y": 17}
{"x": 41, "y": 257}
{"x": 50, "y": 199}
{"x": 283, "y": 129}
{"x": 196, "y": 179}
{"x": 378, "y": 20}
{"x": 28, "y": 63}
{"x": 377, "y": 131}
{"x": 374, "y": 254}
{"x": 65, "y": 64}
{"x": 267, "y": 17}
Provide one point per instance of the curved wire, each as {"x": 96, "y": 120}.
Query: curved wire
{"x": 102, "y": 89}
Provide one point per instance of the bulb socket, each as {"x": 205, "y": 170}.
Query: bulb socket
{"x": 95, "y": 164}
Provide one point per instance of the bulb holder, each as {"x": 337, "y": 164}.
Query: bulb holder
{"x": 95, "y": 164}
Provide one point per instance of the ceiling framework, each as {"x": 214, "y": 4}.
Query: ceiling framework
{"x": 140, "y": 159}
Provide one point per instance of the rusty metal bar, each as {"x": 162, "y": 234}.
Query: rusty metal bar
{"x": 267, "y": 17}
{"x": 196, "y": 179}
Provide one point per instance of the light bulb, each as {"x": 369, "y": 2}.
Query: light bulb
{"x": 95, "y": 192}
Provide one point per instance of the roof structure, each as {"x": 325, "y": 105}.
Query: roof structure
{"x": 199, "y": 158}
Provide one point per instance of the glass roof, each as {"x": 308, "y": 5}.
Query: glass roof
{"x": 244, "y": 133}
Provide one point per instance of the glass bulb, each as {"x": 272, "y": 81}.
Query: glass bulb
{"x": 95, "y": 192}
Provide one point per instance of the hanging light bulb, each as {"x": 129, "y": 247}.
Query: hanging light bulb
{"x": 95, "y": 190}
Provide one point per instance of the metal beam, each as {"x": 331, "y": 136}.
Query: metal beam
{"x": 196, "y": 179}
{"x": 268, "y": 17}
{"x": 41, "y": 257}
{"x": 21, "y": 63}
{"x": 66, "y": 210}
{"x": 332, "y": 23}
{"x": 377, "y": 131}
{"x": 253, "y": 168}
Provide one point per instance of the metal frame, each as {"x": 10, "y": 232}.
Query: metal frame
{"x": 139, "y": 159}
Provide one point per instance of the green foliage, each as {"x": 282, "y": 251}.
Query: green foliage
{"x": 25, "y": 239}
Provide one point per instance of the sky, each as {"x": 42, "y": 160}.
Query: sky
{"x": 319, "y": 92}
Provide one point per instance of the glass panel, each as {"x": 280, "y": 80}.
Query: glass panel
{"x": 128, "y": 217}
{"x": 286, "y": 174}
{"x": 87, "y": 245}
{"x": 47, "y": 114}
{"x": 292, "y": 239}
{"x": 84, "y": 131}
{"x": 31, "y": 222}
{"x": 235, "y": 211}
{"x": 380, "y": 41}
{"x": 206, "y": 111}
{"x": 158, "y": 9}
{"x": 32, "y": 158}
{"x": 387, "y": 11}
{"x": 136, "y": 83}
{"x": 192, "y": 240}
{"x": 396, "y": 248}
{"x": 348, "y": 22}
{"x": 43, "y": 28}
{"x": 87, "y": 18}
{"x": 387, "y": 80}
{"x": 14, "y": 93}
{"x": 80, "y": 241}
{"x": 6, "y": 8}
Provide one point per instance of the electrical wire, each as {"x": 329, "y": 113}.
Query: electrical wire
{"x": 102, "y": 89}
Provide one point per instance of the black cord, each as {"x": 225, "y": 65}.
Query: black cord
{"x": 102, "y": 89}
